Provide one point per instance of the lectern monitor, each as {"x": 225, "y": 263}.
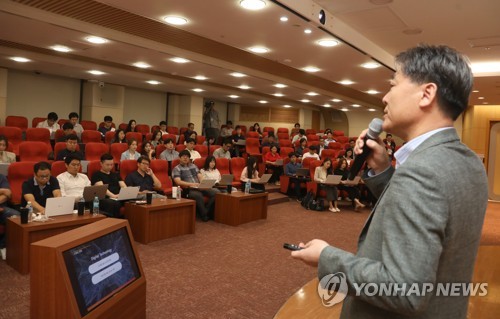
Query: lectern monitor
{"x": 100, "y": 268}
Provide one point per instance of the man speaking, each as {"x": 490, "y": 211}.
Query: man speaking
{"x": 426, "y": 226}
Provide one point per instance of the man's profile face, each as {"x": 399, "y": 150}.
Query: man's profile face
{"x": 143, "y": 166}
{"x": 73, "y": 167}
{"x": 293, "y": 159}
{"x": 226, "y": 146}
{"x": 42, "y": 177}
{"x": 107, "y": 166}
{"x": 190, "y": 146}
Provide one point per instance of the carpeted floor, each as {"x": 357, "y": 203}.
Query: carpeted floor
{"x": 227, "y": 272}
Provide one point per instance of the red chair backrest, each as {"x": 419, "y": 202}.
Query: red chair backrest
{"x": 312, "y": 167}
{"x": 283, "y": 136}
{"x": 310, "y": 131}
{"x": 34, "y": 151}
{"x": 155, "y": 128}
{"x": 88, "y": 125}
{"x": 328, "y": 153}
{"x": 213, "y": 148}
{"x": 268, "y": 129}
{"x": 149, "y": 137}
{"x": 284, "y": 151}
{"x": 252, "y": 134}
{"x": 335, "y": 145}
{"x": 38, "y": 134}
{"x": 109, "y": 137}
{"x": 142, "y": 128}
{"x": 265, "y": 149}
{"x": 252, "y": 146}
{"x": 36, "y": 120}
{"x": 94, "y": 151}
{"x": 62, "y": 121}
{"x": 180, "y": 147}
{"x": 237, "y": 166}
{"x": 306, "y": 162}
{"x": 285, "y": 143}
{"x": 174, "y": 163}
{"x": 14, "y": 135}
{"x": 312, "y": 137}
{"x": 127, "y": 167}
{"x": 283, "y": 130}
{"x": 91, "y": 136}
{"x": 222, "y": 165}
{"x": 59, "y": 146}
{"x": 173, "y": 130}
{"x": 181, "y": 130}
{"x": 19, "y": 172}
{"x": 102, "y": 124}
{"x": 202, "y": 149}
{"x": 170, "y": 136}
{"x": 181, "y": 139}
{"x": 159, "y": 149}
{"x": 342, "y": 139}
{"x": 92, "y": 167}
{"x": 20, "y": 122}
{"x": 200, "y": 162}
{"x": 136, "y": 135}
{"x": 122, "y": 126}
{"x": 160, "y": 168}
{"x": 116, "y": 150}
{"x": 200, "y": 139}
{"x": 338, "y": 133}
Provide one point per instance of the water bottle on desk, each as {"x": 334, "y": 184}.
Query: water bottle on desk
{"x": 95, "y": 206}
{"x": 179, "y": 193}
{"x": 247, "y": 187}
{"x": 30, "y": 211}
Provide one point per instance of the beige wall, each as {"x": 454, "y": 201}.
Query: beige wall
{"x": 144, "y": 106}
{"x": 3, "y": 95}
{"x": 476, "y": 125}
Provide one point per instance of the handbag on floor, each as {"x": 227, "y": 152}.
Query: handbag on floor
{"x": 307, "y": 200}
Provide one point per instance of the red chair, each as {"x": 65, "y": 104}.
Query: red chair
{"x": 59, "y": 134}
{"x": 312, "y": 185}
{"x": 202, "y": 149}
{"x": 88, "y": 125}
{"x": 142, "y": 128}
{"x": 285, "y": 143}
{"x": 265, "y": 149}
{"x": 284, "y": 151}
{"x": 268, "y": 129}
{"x": 222, "y": 165}
{"x": 62, "y": 121}
{"x": 122, "y": 126}
{"x": 282, "y": 130}
{"x": 182, "y": 130}
{"x": 173, "y": 130}
{"x": 127, "y": 167}
{"x": 36, "y": 120}
{"x": 116, "y": 150}
{"x": 181, "y": 139}
{"x": 159, "y": 149}
{"x": 155, "y": 128}
{"x": 20, "y": 122}
{"x": 170, "y": 136}
{"x": 237, "y": 166}
{"x": 34, "y": 151}
{"x": 307, "y": 161}
{"x": 91, "y": 136}
{"x": 252, "y": 134}
{"x": 160, "y": 168}
{"x": 342, "y": 139}
{"x": 338, "y": 133}
{"x": 180, "y": 147}
{"x": 310, "y": 131}
{"x": 200, "y": 139}
{"x": 243, "y": 129}
{"x": 335, "y": 146}
{"x": 332, "y": 154}
{"x": 59, "y": 167}
{"x": 19, "y": 172}
{"x": 283, "y": 136}
{"x": 213, "y": 148}
{"x": 148, "y": 137}
{"x": 14, "y": 135}
{"x": 136, "y": 135}
{"x": 102, "y": 124}
{"x": 200, "y": 162}
{"x": 59, "y": 146}
{"x": 38, "y": 134}
{"x": 93, "y": 167}
{"x": 108, "y": 137}
{"x": 94, "y": 151}
{"x": 174, "y": 163}
{"x": 253, "y": 147}
{"x": 312, "y": 137}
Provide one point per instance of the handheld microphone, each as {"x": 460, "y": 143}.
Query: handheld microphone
{"x": 374, "y": 130}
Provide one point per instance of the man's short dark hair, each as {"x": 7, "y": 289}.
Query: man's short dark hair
{"x": 190, "y": 140}
{"x": 168, "y": 140}
{"x": 72, "y": 157}
{"x": 445, "y": 67}
{"x": 72, "y": 115}
{"x": 108, "y": 118}
{"x": 185, "y": 153}
{"x": 143, "y": 158}
{"x": 228, "y": 140}
{"x": 106, "y": 157}
{"x": 302, "y": 132}
{"x": 291, "y": 154}
{"x": 388, "y": 134}
{"x": 163, "y": 123}
{"x": 237, "y": 127}
{"x": 67, "y": 126}
{"x": 189, "y": 124}
{"x": 4, "y": 138}
{"x": 72, "y": 137}
{"x": 313, "y": 148}
{"x": 229, "y": 122}
{"x": 52, "y": 116}
{"x": 41, "y": 166}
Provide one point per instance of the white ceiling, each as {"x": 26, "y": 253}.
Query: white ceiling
{"x": 218, "y": 35}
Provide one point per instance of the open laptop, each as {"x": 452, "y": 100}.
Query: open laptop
{"x": 127, "y": 193}
{"x": 279, "y": 162}
{"x": 205, "y": 184}
{"x": 302, "y": 172}
{"x": 226, "y": 179}
{"x": 333, "y": 179}
{"x": 354, "y": 182}
{"x": 57, "y": 206}
{"x": 90, "y": 192}
{"x": 241, "y": 142}
{"x": 264, "y": 179}
{"x": 4, "y": 168}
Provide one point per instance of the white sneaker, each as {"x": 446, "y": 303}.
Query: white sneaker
{"x": 3, "y": 251}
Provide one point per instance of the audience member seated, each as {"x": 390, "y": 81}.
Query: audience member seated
{"x": 329, "y": 139}
{"x": 42, "y": 186}
{"x": 71, "y": 182}
{"x": 5, "y": 211}
{"x": 291, "y": 171}
{"x": 169, "y": 153}
{"x": 238, "y": 149}
{"x": 131, "y": 126}
{"x": 71, "y": 145}
{"x": 189, "y": 132}
{"x": 105, "y": 176}
{"x": 131, "y": 153}
{"x": 5, "y": 157}
{"x": 67, "y": 130}
{"x": 349, "y": 156}
{"x": 270, "y": 159}
{"x": 312, "y": 153}
{"x": 352, "y": 143}
{"x": 157, "y": 138}
{"x": 108, "y": 122}
{"x": 190, "y": 148}
{"x": 296, "y": 126}
{"x": 390, "y": 145}
{"x": 163, "y": 127}
{"x": 77, "y": 127}
{"x": 321, "y": 145}
{"x": 320, "y": 175}
{"x": 192, "y": 135}
{"x": 256, "y": 128}
{"x": 148, "y": 151}
{"x": 271, "y": 141}
{"x": 352, "y": 191}
{"x": 299, "y": 150}
{"x": 144, "y": 177}
{"x": 210, "y": 171}
{"x": 209, "y": 141}
{"x": 51, "y": 124}
{"x": 227, "y": 131}
{"x": 187, "y": 175}
{"x": 224, "y": 150}
{"x": 119, "y": 137}
{"x": 251, "y": 173}
{"x": 300, "y": 136}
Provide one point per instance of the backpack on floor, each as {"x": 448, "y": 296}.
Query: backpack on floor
{"x": 317, "y": 205}
{"x": 307, "y": 200}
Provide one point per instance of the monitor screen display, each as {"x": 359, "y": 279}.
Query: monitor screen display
{"x": 100, "y": 268}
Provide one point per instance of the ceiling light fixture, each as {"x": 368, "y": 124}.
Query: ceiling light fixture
{"x": 475, "y": 91}
{"x": 371, "y": 110}
{"x": 60, "y": 48}
{"x": 280, "y": 86}
{"x": 346, "y": 82}
{"x": 326, "y": 105}
{"x": 233, "y": 96}
{"x": 142, "y": 65}
{"x": 305, "y": 101}
{"x": 259, "y": 49}
{"x": 312, "y": 93}
{"x": 372, "y": 92}
{"x": 153, "y": 82}
{"x": 336, "y": 100}
{"x": 20, "y": 59}
{"x": 311, "y": 69}
{"x": 244, "y": 87}
{"x": 175, "y": 20}
{"x": 96, "y": 40}
{"x": 198, "y": 90}
{"x": 370, "y": 65}
{"x": 96, "y": 72}
{"x": 200, "y": 78}
{"x": 253, "y": 4}
{"x": 278, "y": 94}
{"x": 263, "y": 102}
{"x": 355, "y": 105}
{"x": 179, "y": 60}
{"x": 238, "y": 74}
{"x": 283, "y": 19}
{"x": 481, "y": 98}
{"x": 485, "y": 67}
{"x": 328, "y": 42}
{"x": 287, "y": 106}
{"x": 344, "y": 109}
{"x": 307, "y": 31}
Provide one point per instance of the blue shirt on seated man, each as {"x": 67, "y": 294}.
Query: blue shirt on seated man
{"x": 5, "y": 212}
{"x": 291, "y": 171}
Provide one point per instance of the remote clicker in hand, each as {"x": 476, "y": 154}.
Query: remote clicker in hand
{"x": 291, "y": 247}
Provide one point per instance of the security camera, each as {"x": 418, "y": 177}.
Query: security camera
{"x": 101, "y": 84}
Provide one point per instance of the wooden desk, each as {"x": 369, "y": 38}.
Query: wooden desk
{"x": 20, "y": 236}
{"x": 306, "y": 303}
{"x": 164, "y": 218}
{"x": 238, "y": 208}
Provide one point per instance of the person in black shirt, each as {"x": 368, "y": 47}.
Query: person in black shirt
{"x": 143, "y": 177}
{"x": 42, "y": 186}
{"x": 238, "y": 149}
{"x": 114, "y": 182}
{"x": 71, "y": 144}
{"x": 352, "y": 191}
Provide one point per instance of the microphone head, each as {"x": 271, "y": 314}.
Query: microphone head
{"x": 375, "y": 128}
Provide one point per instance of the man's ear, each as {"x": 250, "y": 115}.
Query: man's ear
{"x": 429, "y": 94}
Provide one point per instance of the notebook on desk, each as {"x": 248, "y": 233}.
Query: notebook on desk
{"x": 56, "y": 206}
{"x": 333, "y": 180}
{"x": 127, "y": 193}
{"x": 90, "y": 192}
{"x": 205, "y": 184}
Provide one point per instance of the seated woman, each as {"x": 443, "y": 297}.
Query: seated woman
{"x": 250, "y": 173}
{"x": 148, "y": 151}
{"x": 270, "y": 159}
{"x": 209, "y": 171}
{"x": 131, "y": 153}
{"x": 349, "y": 156}
{"x": 6, "y": 157}
{"x": 119, "y": 137}
{"x": 302, "y": 146}
{"x": 352, "y": 191}
{"x": 157, "y": 139}
{"x": 320, "y": 175}
{"x": 131, "y": 126}
{"x": 256, "y": 128}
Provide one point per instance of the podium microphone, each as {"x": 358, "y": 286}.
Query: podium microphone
{"x": 374, "y": 130}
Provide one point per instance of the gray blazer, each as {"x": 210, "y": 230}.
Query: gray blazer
{"x": 425, "y": 228}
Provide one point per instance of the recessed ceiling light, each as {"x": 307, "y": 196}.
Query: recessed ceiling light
{"x": 305, "y": 101}
{"x": 284, "y": 19}
{"x": 346, "y": 82}
{"x": 355, "y": 105}
{"x": 278, "y": 94}
{"x": 200, "y": 78}
{"x": 142, "y": 65}
{"x": 344, "y": 109}
{"x": 96, "y": 40}
{"x": 485, "y": 67}
{"x": 263, "y": 102}
{"x": 20, "y": 59}
{"x": 372, "y": 92}
{"x": 233, "y": 96}
{"x": 60, "y": 48}
{"x": 328, "y": 42}
{"x": 153, "y": 82}
{"x": 371, "y": 110}
{"x": 326, "y": 105}
{"x": 244, "y": 87}
{"x": 308, "y": 31}
{"x": 238, "y": 74}
{"x": 198, "y": 90}
{"x": 336, "y": 100}
{"x": 311, "y": 69}
{"x": 253, "y": 4}
{"x": 481, "y": 98}
{"x": 370, "y": 65}
{"x": 259, "y": 49}
{"x": 279, "y": 85}
{"x": 175, "y": 20}
{"x": 485, "y": 102}
{"x": 179, "y": 60}
{"x": 96, "y": 72}
{"x": 287, "y": 106}
{"x": 312, "y": 93}
{"x": 475, "y": 91}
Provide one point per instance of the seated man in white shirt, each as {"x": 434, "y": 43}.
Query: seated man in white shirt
{"x": 71, "y": 182}
{"x": 51, "y": 124}
{"x": 224, "y": 150}
{"x": 312, "y": 153}
{"x": 190, "y": 147}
